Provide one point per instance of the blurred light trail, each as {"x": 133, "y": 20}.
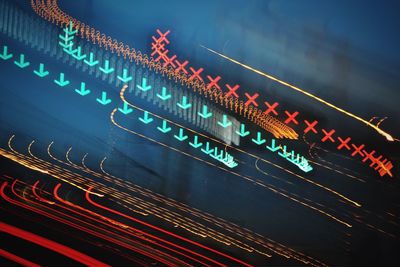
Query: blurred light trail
{"x": 51, "y": 245}
{"x": 17, "y": 259}
{"x": 375, "y": 127}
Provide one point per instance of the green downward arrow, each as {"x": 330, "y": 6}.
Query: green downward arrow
{"x": 164, "y": 96}
{"x": 164, "y": 127}
{"x": 5, "y": 54}
{"x": 125, "y": 109}
{"x": 259, "y": 140}
{"x": 196, "y": 143}
{"x": 61, "y": 81}
{"x": 83, "y": 91}
{"x": 103, "y": 100}
{"x": 144, "y": 87}
{"x": 106, "y": 69}
{"x": 207, "y": 150}
{"x": 205, "y": 114}
{"x": 242, "y": 132}
{"x": 41, "y": 72}
{"x": 91, "y": 62}
{"x": 273, "y": 146}
{"x": 146, "y": 119}
{"x": 184, "y": 104}
{"x": 181, "y": 137}
{"x": 22, "y": 63}
{"x": 225, "y": 122}
{"x": 125, "y": 77}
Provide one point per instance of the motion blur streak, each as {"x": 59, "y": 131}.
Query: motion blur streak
{"x": 49, "y": 244}
{"x": 162, "y": 230}
{"x": 375, "y": 127}
{"x": 17, "y": 259}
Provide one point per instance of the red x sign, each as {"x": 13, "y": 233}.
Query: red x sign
{"x": 213, "y": 82}
{"x": 310, "y": 126}
{"x": 251, "y": 99}
{"x": 271, "y": 108}
{"x": 232, "y": 90}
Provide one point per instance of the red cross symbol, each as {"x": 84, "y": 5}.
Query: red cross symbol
{"x": 357, "y": 150}
{"x": 196, "y": 74}
{"x": 162, "y": 55}
{"x": 271, "y": 108}
{"x": 169, "y": 61}
{"x": 380, "y": 163}
{"x": 328, "y": 135}
{"x": 344, "y": 143}
{"x": 157, "y": 48}
{"x": 368, "y": 156}
{"x": 291, "y": 117}
{"x": 213, "y": 82}
{"x": 310, "y": 126}
{"x": 385, "y": 169}
{"x": 181, "y": 67}
{"x": 163, "y": 36}
{"x": 251, "y": 99}
{"x": 232, "y": 90}
{"x": 375, "y": 161}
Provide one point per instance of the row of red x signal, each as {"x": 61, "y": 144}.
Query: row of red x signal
{"x": 160, "y": 52}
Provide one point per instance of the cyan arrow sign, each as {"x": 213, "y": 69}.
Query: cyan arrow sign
{"x": 273, "y": 146}
{"x": 41, "y": 72}
{"x": 242, "y": 132}
{"x": 225, "y": 122}
{"x": 5, "y": 54}
{"x": 207, "y": 150}
{"x": 204, "y": 114}
{"x": 22, "y": 63}
{"x": 61, "y": 81}
{"x": 125, "y": 77}
{"x": 181, "y": 137}
{"x": 196, "y": 143}
{"x": 83, "y": 91}
{"x": 164, "y": 96}
{"x": 164, "y": 127}
{"x": 144, "y": 87}
{"x": 146, "y": 119}
{"x": 106, "y": 69}
{"x": 125, "y": 109}
{"x": 184, "y": 104}
{"x": 91, "y": 62}
{"x": 259, "y": 140}
{"x": 104, "y": 101}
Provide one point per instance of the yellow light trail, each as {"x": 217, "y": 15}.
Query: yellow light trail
{"x": 375, "y": 127}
